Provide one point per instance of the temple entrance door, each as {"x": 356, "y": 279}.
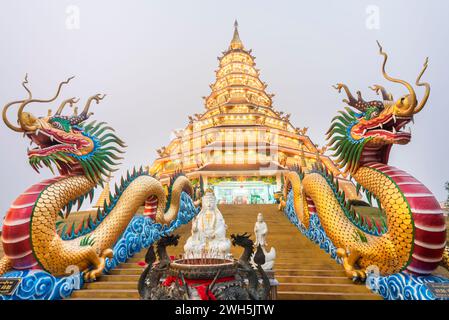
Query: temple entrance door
{"x": 246, "y": 192}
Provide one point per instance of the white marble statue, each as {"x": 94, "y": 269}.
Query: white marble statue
{"x": 261, "y": 230}
{"x": 208, "y": 231}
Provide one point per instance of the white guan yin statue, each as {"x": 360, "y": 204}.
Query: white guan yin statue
{"x": 261, "y": 230}
{"x": 208, "y": 231}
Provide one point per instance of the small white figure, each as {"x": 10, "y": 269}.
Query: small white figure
{"x": 261, "y": 230}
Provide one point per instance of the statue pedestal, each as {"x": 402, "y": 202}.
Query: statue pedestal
{"x": 273, "y": 295}
{"x": 273, "y": 285}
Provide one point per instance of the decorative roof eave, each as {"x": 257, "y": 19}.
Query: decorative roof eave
{"x": 252, "y": 71}
{"x": 232, "y": 73}
{"x": 310, "y": 154}
{"x": 223, "y": 65}
{"x": 240, "y": 86}
{"x": 227, "y": 86}
{"x": 217, "y": 127}
{"x": 230, "y": 51}
{"x": 227, "y": 89}
{"x": 227, "y": 105}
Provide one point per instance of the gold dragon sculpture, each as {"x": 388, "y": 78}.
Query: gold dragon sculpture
{"x": 412, "y": 235}
{"x": 83, "y": 155}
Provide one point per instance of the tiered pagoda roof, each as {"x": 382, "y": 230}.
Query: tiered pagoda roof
{"x": 240, "y": 130}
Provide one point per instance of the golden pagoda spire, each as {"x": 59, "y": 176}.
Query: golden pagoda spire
{"x": 239, "y": 115}
{"x": 236, "y": 43}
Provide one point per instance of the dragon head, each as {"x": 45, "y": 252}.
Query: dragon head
{"x": 242, "y": 240}
{"x": 366, "y": 131}
{"x": 66, "y": 142}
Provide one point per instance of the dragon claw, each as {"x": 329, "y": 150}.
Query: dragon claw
{"x": 358, "y": 276}
{"x": 92, "y": 274}
{"x": 349, "y": 262}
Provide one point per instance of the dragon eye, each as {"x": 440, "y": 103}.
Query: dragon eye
{"x": 57, "y": 125}
{"x": 61, "y": 124}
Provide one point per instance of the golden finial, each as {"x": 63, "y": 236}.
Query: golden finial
{"x": 236, "y": 43}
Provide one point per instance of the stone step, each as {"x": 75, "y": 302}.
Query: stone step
{"x": 303, "y": 270}
{"x": 128, "y": 271}
{"x": 120, "y": 277}
{"x": 285, "y": 292}
{"x": 106, "y": 294}
{"x": 323, "y": 287}
{"x": 313, "y": 279}
{"x": 114, "y": 285}
{"x": 309, "y": 272}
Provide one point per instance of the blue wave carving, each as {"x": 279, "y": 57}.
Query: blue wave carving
{"x": 140, "y": 233}
{"x": 41, "y": 285}
{"x": 403, "y": 286}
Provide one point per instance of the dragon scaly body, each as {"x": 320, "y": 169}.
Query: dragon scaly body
{"x": 84, "y": 154}
{"x": 412, "y": 235}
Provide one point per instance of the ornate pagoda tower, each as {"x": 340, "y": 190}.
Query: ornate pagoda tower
{"x": 240, "y": 144}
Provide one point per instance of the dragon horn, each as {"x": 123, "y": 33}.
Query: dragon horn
{"x": 385, "y": 95}
{"x": 29, "y": 100}
{"x": 426, "y": 85}
{"x": 351, "y": 101}
{"x": 403, "y": 82}
{"x": 8, "y": 105}
{"x": 70, "y": 102}
{"x": 97, "y": 99}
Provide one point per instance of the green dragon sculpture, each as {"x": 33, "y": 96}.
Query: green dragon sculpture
{"x": 412, "y": 235}
{"x": 83, "y": 154}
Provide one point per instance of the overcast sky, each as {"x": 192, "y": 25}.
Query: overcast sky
{"x": 155, "y": 60}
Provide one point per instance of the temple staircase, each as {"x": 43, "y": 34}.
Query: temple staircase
{"x": 303, "y": 270}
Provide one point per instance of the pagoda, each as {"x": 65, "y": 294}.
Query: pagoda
{"x": 240, "y": 145}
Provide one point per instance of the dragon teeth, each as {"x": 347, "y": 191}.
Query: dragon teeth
{"x": 394, "y": 118}
{"x": 394, "y": 130}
